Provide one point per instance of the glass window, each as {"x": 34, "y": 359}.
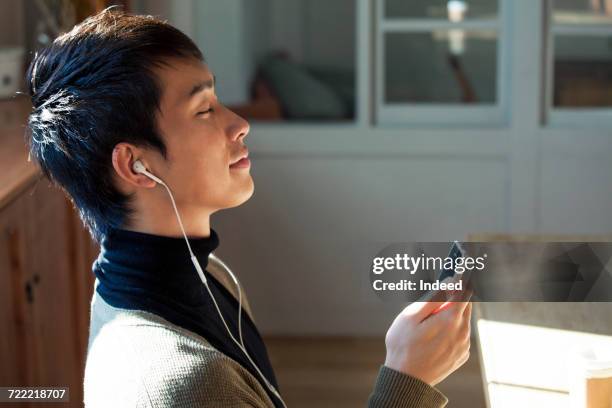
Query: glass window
{"x": 583, "y": 71}
{"x": 440, "y": 62}
{"x": 300, "y": 60}
{"x": 452, "y": 66}
{"x": 582, "y": 11}
{"x": 441, "y": 9}
{"x": 582, "y": 53}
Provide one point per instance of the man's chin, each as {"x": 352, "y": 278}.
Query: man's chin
{"x": 244, "y": 195}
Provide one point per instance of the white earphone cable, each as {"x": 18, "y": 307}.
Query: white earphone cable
{"x": 198, "y": 268}
{"x": 237, "y": 283}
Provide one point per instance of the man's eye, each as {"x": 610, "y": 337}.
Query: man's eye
{"x": 211, "y": 110}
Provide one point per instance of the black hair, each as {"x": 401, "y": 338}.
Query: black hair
{"x": 92, "y": 88}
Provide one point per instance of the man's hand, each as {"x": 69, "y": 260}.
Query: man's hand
{"x": 429, "y": 344}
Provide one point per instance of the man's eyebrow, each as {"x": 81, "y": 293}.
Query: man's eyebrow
{"x": 202, "y": 86}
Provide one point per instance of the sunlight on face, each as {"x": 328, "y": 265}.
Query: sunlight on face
{"x": 207, "y": 165}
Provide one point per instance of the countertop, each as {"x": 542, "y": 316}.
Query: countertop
{"x": 16, "y": 172}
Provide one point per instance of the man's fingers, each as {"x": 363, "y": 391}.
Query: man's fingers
{"x": 468, "y": 286}
{"x": 430, "y": 303}
{"x": 456, "y": 309}
{"x": 436, "y": 295}
{"x": 461, "y": 300}
{"x": 462, "y": 307}
{"x": 467, "y": 313}
{"x": 467, "y": 318}
{"x": 421, "y": 310}
{"x": 440, "y": 300}
{"x": 463, "y": 295}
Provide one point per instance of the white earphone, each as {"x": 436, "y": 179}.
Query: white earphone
{"x": 138, "y": 167}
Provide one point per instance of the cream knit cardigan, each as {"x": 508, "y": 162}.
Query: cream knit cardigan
{"x": 138, "y": 359}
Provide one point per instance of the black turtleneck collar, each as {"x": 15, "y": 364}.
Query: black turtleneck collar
{"x": 158, "y": 263}
{"x": 140, "y": 271}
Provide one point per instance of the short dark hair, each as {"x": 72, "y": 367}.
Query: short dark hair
{"x": 92, "y": 88}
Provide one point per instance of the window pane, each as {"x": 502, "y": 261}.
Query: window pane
{"x": 452, "y": 66}
{"x": 582, "y": 11}
{"x": 454, "y": 10}
{"x": 583, "y": 71}
{"x": 282, "y": 60}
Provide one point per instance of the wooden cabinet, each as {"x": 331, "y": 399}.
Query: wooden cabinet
{"x": 46, "y": 284}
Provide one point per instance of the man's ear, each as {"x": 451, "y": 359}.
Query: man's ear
{"x": 124, "y": 156}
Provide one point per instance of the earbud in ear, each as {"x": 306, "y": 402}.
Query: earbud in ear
{"x": 138, "y": 167}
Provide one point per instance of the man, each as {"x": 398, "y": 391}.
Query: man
{"x": 120, "y": 89}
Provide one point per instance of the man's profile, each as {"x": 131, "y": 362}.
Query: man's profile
{"x": 121, "y": 89}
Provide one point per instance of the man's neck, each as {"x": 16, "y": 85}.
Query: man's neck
{"x": 163, "y": 221}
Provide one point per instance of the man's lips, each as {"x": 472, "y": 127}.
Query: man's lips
{"x": 242, "y": 161}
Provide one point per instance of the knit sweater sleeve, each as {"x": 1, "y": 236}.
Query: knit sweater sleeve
{"x": 394, "y": 389}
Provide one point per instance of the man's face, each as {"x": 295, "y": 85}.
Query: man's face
{"x": 204, "y": 141}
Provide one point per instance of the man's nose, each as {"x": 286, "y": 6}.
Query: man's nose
{"x": 239, "y": 127}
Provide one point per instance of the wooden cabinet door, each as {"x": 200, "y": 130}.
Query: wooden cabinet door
{"x": 52, "y": 268}
{"x": 45, "y": 291}
{"x": 17, "y": 360}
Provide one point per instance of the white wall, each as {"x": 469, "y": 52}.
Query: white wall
{"x": 303, "y": 244}
{"x": 328, "y": 198}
